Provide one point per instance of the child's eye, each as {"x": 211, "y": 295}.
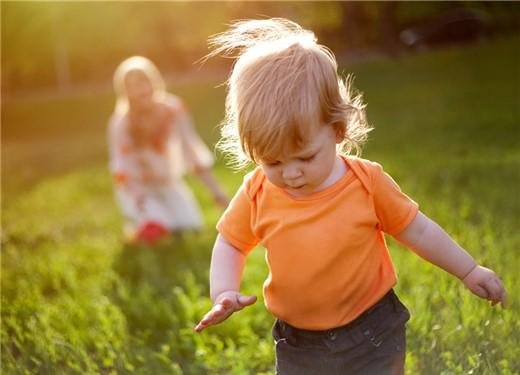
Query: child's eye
{"x": 272, "y": 163}
{"x": 307, "y": 159}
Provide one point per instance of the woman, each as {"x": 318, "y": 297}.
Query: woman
{"x": 152, "y": 145}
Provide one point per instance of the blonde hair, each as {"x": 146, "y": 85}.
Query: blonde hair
{"x": 143, "y": 65}
{"x": 282, "y": 84}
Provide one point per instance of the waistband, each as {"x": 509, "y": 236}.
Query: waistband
{"x": 389, "y": 297}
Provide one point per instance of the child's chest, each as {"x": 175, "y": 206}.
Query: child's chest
{"x": 344, "y": 223}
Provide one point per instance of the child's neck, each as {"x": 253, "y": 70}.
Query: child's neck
{"x": 338, "y": 171}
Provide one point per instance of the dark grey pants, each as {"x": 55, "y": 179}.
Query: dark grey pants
{"x": 373, "y": 344}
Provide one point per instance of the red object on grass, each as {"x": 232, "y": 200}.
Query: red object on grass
{"x": 150, "y": 232}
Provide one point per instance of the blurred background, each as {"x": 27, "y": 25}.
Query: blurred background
{"x": 61, "y": 50}
{"x": 69, "y": 45}
{"x": 442, "y": 83}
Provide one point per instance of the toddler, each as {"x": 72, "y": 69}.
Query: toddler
{"x": 320, "y": 214}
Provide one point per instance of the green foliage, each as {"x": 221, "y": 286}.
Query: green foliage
{"x": 77, "y": 300}
{"x": 57, "y": 44}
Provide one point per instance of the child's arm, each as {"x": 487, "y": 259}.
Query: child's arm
{"x": 227, "y": 264}
{"x": 432, "y": 243}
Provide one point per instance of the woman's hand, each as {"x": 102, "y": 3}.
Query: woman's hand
{"x": 150, "y": 177}
{"x": 225, "y": 305}
{"x": 219, "y": 195}
{"x": 221, "y": 199}
{"x": 486, "y": 284}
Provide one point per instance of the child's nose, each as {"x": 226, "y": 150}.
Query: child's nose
{"x": 291, "y": 171}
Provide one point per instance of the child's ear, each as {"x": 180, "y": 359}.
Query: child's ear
{"x": 340, "y": 133}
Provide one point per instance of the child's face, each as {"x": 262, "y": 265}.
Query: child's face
{"x": 308, "y": 169}
{"x": 139, "y": 90}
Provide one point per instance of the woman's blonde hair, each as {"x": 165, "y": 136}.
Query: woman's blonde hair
{"x": 143, "y": 65}
{"x": 282, "y": 84}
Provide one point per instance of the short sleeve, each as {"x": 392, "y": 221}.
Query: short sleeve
{"x": 394, "y": 209}
{"x": 235, "y": 223}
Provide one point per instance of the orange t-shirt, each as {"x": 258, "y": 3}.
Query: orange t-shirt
{"x": 327, "y": 256}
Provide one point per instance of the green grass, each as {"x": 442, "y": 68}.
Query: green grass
{"x": 76, "y": 300}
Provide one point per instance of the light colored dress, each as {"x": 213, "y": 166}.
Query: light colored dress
{"x": 169, "y": 202}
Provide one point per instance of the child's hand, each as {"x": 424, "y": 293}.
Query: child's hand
{"x": 486, "y": 284}
{"x": 225, "y": 305}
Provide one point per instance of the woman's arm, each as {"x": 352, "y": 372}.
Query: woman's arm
{"x": 431, "y": 242}
{"x": 208, "y": 178}
{"x": 198, "y": 157}
{"x": 227, "y": 264}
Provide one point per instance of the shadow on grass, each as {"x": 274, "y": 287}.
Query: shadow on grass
{"x": 159, "y": 265}
{"x": 152, "y": 280}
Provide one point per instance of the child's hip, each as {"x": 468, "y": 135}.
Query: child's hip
{"x": 374, "y": 343}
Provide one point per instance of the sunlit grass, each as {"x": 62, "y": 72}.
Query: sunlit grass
{"x": 76, "y": 300}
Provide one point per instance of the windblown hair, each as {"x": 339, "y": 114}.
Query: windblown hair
{"x": 146, "y": 67}
{"x": 283, "y": 84}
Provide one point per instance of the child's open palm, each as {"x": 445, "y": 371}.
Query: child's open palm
{"x": 225, "y": 305}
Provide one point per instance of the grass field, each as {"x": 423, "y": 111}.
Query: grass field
{"x": 76, "y": 300}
